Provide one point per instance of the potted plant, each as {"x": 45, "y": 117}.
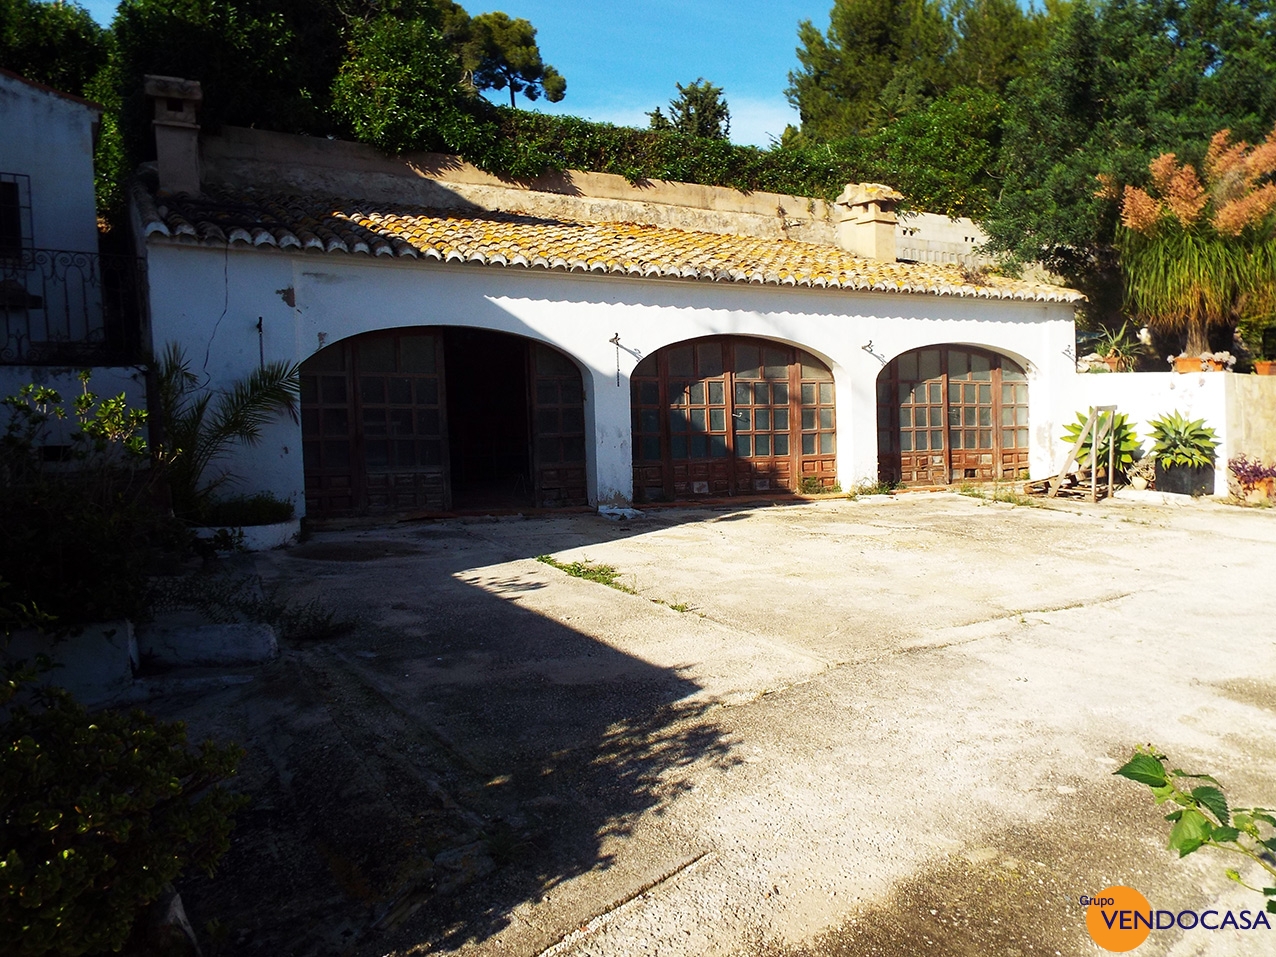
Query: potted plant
{"x": 1195, "y": 244}
{"x": 1184, "y": 449}
{"x": 1257, "y": 481}
{"x": 1265, "y": 354}
{"x": 1142, "y": 473}
{"x": 1117, "y": 350}
{"x": 1205, "y": 362}
{"x": 1127, "y": 452}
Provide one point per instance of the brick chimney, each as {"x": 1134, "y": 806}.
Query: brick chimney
{"x": 176, "y": 131}
{"x": 866, "y": 220}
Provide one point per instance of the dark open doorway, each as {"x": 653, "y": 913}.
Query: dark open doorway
{"x": 427, "y": 419}
{"x": 489, "y": 426}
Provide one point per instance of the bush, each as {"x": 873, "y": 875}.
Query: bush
{"x": 1128, "y": 448}
{"x": 81, "y": 527}
{"x": 1180, "y": 441}
{"x": 98, "y": 814}
{"x": 260, "y": 509}
{"x": 201, "y": 425}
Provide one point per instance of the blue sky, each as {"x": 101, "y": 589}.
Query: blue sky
{"x": 622, "y": 59}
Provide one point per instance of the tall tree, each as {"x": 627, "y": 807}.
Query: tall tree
{"x": 54, "y": 43}
{"x": 698, "y": 110}
{"x": 869, "y": 44}
{"x": 399, "y": 87}
{"x": 1119, "y": 82}
{"x": 501, "y": 53}
{"x": 1199, "y": 249}
{"x": 994, "y": 39}
{"x": 942, "y": 157}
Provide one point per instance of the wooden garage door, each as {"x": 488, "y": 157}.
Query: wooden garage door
{"x": 730, "y": 416}
{"x": 559, "y": 419}
{"x": 373, "y": 426}
{"x": 948, "y": 414}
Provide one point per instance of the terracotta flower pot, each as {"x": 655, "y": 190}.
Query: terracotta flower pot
{"x": 1265, "y": 367}
{"x": 1197, "y": 364}
{"x": 1264, "y": 490}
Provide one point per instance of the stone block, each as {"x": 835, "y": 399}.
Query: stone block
{"x": 203, "y": 645}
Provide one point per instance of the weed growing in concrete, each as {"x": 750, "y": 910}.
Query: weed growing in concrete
{"x": 681, "y": 607}
{"x": 999, "y": 493}
{"x": 227, "y": 598}
{"x": 812, "y": 486}
{"x": 871, "y": 487}
{"x": 602, "y": 574}
{"x": 607, "y": 575}
{"x": 1202, "y": 817}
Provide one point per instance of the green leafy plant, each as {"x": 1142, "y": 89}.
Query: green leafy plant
{"x": 201, "y": 425}
{"x": 810, "y": 485}
{"x": 1179, "y": 441}
{"x": 1116, "y": 344}
{"x": 607, "y": 575}
{"x": 97, "y": 814}
{"x": 264, "y": 508}
{"x": 1122, "y": 433}
{"x": 1202, "y": 817}
{"x": 81, "y": 528}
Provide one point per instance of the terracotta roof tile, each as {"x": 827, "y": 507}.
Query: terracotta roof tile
{"x": 245, "y": 218}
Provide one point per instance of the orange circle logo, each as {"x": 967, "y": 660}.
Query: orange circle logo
{"x": 1118, "y": 918}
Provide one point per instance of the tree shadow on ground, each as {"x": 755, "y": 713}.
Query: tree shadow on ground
{"x": 455, "y": 759}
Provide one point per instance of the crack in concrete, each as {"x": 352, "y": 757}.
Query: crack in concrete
{"x": 621, "y": 906}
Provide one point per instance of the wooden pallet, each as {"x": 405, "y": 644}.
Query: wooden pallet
{"x": 1072, "y": 485}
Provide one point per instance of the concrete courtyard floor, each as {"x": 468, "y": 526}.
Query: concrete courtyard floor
{"x": 883, "y": 726}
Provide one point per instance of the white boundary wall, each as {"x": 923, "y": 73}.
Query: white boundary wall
{"x": 1224, "y": 400}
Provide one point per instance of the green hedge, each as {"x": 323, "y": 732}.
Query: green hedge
{"x": 524, "y": 144}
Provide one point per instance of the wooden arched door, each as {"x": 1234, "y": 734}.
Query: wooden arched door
{"x": 730, "y": 415}
{"x": 949, "y": 414}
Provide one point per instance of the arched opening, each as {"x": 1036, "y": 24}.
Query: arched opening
{"x": 729, "y": 416}
{"x": 427, "y": 419}
{"x": 950, "y": 413}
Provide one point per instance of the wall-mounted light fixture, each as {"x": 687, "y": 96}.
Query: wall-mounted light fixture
{"x": 636, "y": 353}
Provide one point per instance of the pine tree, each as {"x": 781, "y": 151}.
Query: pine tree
{"x": 698, "y": 110}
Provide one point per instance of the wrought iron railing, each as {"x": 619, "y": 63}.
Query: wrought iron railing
{"x": 59, "y": 307}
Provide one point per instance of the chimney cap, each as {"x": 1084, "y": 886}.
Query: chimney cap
{"x": 861, "y": 194}
{"x": 172, "y": 87}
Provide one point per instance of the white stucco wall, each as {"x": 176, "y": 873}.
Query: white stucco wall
{"x": 49, "y": 138}
{"x": 210, "y": 300}
{"x": 1144, "y": 396}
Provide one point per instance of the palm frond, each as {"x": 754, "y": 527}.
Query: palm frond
{"x": 244, "y": 409}
{"x": 200, "y": 426}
